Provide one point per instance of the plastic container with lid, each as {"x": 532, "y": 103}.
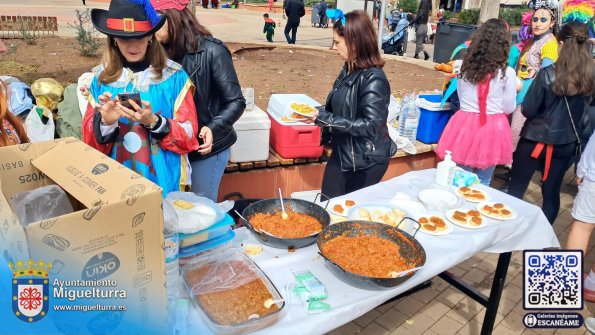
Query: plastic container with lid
{"x": 220, "y": 228}
{"x": 221, "y": 242}
{"x": 228, "y": 286}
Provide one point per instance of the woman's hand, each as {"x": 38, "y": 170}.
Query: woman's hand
{"x": 312, "y": 117}
{"x": 108, "y": 109}
{"x": 207, "y": 138}
{"x": 138, "y": 114}
{"x": 530, "y": 73}
{"x": 85, "y": 90}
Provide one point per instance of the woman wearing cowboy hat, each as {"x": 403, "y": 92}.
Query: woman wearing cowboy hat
{"x": 152, "y": 137}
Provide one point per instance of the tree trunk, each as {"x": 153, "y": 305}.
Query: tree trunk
{"x": 489, "y": 10}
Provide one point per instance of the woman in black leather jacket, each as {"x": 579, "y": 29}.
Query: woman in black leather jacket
{"x": 218, "y": 97}
{"x": 554, "y": 108}
{"x": 356, "y": 110}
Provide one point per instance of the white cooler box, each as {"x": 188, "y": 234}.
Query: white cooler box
{"x": 253, "y": 130}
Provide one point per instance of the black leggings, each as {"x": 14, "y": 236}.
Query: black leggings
{"x": 336, "y": 182}
{"x": 523, "y": 167}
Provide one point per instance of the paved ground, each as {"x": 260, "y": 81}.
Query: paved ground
{"x": 436, "y": 310}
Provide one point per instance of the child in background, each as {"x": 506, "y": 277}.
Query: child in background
{"x": 269, "y": 27}
{"x": 479, "y": 134}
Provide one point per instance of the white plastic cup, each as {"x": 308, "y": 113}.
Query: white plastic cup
{"x": 248, "y": 93}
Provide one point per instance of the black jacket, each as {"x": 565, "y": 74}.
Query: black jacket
{"x": 355, "y": 118}
{"x": 294, "y": 9}
{"x": 218, "y": 98}
{"x": 547, "y": 115}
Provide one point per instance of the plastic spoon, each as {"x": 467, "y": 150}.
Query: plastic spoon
{"x": 284, "y": 215}
{"x": 394, "y": 274}
{"x": 270, "y": 302}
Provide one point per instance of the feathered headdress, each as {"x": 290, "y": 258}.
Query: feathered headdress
{"x": 580, "y": 11}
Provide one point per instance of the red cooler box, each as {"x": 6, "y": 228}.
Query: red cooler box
{"x": 297, "y": 139}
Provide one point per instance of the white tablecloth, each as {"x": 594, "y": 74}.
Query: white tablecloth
{"x": 530, "y": 230}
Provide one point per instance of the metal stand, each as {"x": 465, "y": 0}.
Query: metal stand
{"x": 493, "y": 301}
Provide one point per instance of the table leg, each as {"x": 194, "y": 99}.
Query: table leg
{"x": 495, "y": 293}
{"x": 493, "y": 300}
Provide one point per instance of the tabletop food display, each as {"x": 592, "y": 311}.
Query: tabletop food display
{"x": 385, "y": 238}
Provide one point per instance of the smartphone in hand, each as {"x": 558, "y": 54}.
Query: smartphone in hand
{"x": 126, "y": 96}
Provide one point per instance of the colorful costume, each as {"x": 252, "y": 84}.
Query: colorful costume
{"x": 161, "y": 158}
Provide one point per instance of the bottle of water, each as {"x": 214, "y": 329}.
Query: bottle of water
{"x": 409, "y": 118}
{"x": 172, "y": 244}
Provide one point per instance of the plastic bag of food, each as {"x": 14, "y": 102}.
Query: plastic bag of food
{"x": 40, "y": 204}
{"x": 231, "y": 290}
{"x": 194, "y": 212}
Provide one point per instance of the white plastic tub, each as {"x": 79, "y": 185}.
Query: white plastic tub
{"x": 253, "y": 130}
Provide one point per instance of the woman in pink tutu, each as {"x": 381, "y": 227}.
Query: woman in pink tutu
{"x": 479, "y": 133}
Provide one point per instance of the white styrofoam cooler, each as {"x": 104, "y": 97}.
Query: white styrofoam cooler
{"x": 253, "y": 130}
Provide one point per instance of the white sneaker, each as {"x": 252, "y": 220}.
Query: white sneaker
{"x": 590, "y": 325}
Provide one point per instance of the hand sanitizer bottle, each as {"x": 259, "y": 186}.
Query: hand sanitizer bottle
{"x": 445, "y": 170}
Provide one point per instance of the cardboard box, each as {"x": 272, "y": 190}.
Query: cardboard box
{"x": 115, "y": 233}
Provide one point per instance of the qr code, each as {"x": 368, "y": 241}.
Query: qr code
{"x": 553, "y": 279}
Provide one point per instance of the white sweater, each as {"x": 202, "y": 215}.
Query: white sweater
{"x": 586, "y": 166}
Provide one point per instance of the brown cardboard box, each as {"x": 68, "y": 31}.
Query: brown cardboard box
{"x": 117, "y": 235}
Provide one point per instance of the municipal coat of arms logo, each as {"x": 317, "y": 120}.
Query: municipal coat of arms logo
{"x": 30, "y": 290}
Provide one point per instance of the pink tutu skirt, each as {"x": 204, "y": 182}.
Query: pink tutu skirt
{"x": 474, "y": 145}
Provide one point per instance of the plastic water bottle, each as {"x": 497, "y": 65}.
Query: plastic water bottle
{"x": 172, "y": 245}
{"x": 409, "y": 118}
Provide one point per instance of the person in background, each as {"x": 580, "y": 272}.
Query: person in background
{"x": 269, "y": 27}
{"x": 583, "y": 213}
{"x": 271, "y": 3}
{"x": 554, "y": 107}
{"x": 395, "y": 18}
{"x": 421, "y": 27}
{"x": 478, "y": 135}
{"x": 294, "y": 9}
{"x": 12, "y": 131}
{"x": 322, "y": 7}
{"x": 356, "y": 110}
{"x": 154, "y": 135}
{"x": 218, "y": 97}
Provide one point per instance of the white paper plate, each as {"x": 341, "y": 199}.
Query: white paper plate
{"x": 435, "y": 197}
{"x": 342, "y": 203}
{"x": 437, "y": 233}
{"x": 300, "y": 113}
{"x": 450, "y": 213}
{"x": 486, "y": 195}
{"x": 491, "y": 216}
{"x": 289, "y": 119}
{"x": 411, "y": 207}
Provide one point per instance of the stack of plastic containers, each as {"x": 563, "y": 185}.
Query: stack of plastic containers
{"x": 217, "y": 236}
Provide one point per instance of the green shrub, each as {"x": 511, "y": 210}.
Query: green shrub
{"x": 449, "y": 15}
{"x": 87, "y": 43}
{"x": 409, "y": 6}
{"x": 512, "y": 15}
{"x": 469, "y": 16}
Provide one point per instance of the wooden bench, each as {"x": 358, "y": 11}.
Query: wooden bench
{"x": 12, "y": 26}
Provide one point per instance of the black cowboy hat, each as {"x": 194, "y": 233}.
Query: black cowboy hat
{"x": 127, "y": 19}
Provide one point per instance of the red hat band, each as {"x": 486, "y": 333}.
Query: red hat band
{"x": 128, "y": 25}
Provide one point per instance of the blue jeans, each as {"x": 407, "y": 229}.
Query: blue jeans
{"x": 485, "y": 175}
{"x": 207, "y": 173}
